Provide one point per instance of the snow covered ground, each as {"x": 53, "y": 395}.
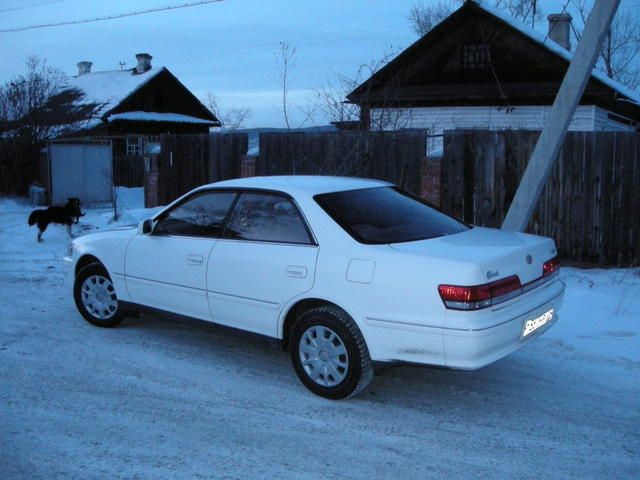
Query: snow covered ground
{"x": 161, "y": 399}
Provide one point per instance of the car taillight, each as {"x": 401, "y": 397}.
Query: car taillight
{"x": 479, "y": 296}
{"x": 550, "y": 267}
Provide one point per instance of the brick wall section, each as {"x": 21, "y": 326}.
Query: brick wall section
{"x": 248, "y": 166}
{"x": 151, "y": 189}
{"x": 151, "y": 183}
{"x": 431, "y": 180}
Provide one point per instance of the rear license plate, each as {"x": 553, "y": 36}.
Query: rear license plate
{"x": 534, "y": 324}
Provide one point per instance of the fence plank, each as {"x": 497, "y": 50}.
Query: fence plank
{"x": 187, "y": 161}
{"x": 391, "y": 156}
{"x": 128, "y": 170}
{"x": 590, "y": 204}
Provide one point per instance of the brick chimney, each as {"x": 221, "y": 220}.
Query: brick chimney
{"x": 559, "y": 29}
{"x": 144, "y": 62}
{"x": 84, "y": 67}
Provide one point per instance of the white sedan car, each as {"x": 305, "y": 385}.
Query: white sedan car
{"x": 347, "y": 273}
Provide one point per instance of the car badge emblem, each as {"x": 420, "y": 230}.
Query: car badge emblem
{"x": 529, "y": 259}
{"x": 491, "y": 274}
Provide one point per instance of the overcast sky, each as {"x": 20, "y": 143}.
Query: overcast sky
{"x": 226, "y": 48}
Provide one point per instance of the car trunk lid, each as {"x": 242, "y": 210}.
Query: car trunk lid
{"x": 500, "y": 253}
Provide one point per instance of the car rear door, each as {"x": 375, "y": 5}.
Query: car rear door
{"x": 167, "y": 269}
{"x": 266, "y": 256}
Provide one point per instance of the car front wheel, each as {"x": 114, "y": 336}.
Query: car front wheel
{"x": 95, "y": 296}
{"x": 329, "y": 353}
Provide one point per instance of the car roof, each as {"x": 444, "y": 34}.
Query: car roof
{"x": 302, "y": 184}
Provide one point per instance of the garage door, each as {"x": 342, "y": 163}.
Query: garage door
{"x": 81, "y": 169}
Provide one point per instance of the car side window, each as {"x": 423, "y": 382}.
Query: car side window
{"x": 200, "y": 216}
{"x": 268, "y": 218}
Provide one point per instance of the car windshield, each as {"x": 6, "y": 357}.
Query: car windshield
{"x": 387, "y": 215}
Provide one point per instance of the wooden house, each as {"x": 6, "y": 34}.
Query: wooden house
{"x": 109, "y": 126}
{"x": 132, "y": 107}
{"x": 481, "y": 69}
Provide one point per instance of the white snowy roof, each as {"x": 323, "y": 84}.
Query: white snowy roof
{"x": 158, "y": 117}
{"x": 557, "y": 49}
{"x": 108, "y": 89}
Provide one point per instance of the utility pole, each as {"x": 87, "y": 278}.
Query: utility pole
{"x": 564, "y": 106}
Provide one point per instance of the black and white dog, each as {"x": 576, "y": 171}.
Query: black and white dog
{"x": 66, "y": 215}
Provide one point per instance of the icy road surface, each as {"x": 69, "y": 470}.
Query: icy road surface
{"x": 161, "y": 399}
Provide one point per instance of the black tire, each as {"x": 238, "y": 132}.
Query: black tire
{"x": 96, "y": 274}
{"x": 359, "y": 372}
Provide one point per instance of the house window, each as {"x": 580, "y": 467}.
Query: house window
{"x": 134, "y": 146}
{"x": 153, "y": 139}
{"x": 476, "y": 56}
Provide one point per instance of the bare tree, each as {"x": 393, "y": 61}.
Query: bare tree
{"x": 620, "y": 54}
{"x": 331, "y": 98}
{"x": 423, "y": 17}
{"x": 286, "y": 59}
{"x": 34, "y": 107}
{"x": 23, "y": 98}
{"x": 232, "y": 119}
{"x": 527, "y": 11}
{"x": 285, "y": 62}
{"x": 20, "y": 140}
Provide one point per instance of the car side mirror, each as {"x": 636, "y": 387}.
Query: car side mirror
{"x": 147, "y": 226}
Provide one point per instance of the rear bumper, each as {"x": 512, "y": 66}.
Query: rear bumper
{"x": 473, "y": 348}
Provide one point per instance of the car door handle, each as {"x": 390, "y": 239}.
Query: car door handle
{"x": 195, "y": 259}
{"x": 296, "y": 271}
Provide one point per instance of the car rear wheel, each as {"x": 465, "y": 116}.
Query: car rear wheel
{"x": 96, "y": 298}
{"x": 329, "y": 353}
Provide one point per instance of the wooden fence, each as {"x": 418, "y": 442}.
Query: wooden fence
{"x": 128, "y": 170}
{"x": 391, "y": 156}
{"x": 188, "y": 161}
{"x": 590, "y": 205}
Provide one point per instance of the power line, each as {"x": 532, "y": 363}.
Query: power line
{"x": 110, "y": 17}
{"x": 31, "y": 5}
{"x": 213, "y": 55}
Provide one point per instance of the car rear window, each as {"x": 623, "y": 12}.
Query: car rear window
{"x": 387, "y": 215}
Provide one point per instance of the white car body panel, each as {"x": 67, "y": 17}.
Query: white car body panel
{"x": 495, "y": 332}
{"x": 495, "y": 250}
{"x": 169, "y": 273}
{"x": 390, "y": 291}
{"x": 248, "y": 283}
{"x": 109, "y": 247}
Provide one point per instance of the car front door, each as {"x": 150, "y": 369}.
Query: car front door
{"x": 265, "y": 257}
{"x": 166, "y": 269}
